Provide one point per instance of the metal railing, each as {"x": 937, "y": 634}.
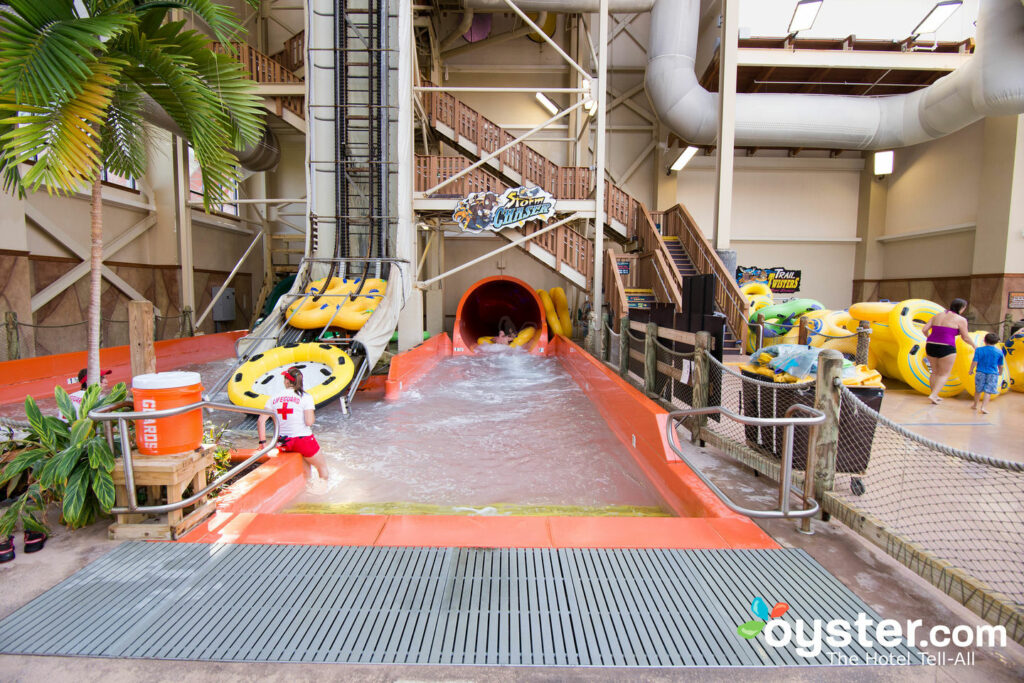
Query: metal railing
{"x": 105, "y": 415}
{"x": 788, "y": 422}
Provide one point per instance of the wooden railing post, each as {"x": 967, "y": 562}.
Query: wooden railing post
{"x": 624, "y": 346}
{"x": 650, "y": 358}
{"x": 804, "y": 334}
{"x": 13, "y": 342}
{"x": 824, "y": 439}
{"x": 140, "y": 337}
{"x": 185, "y": 330}
{"x": 606, "y": 336}
{"x": 701, "y": 379}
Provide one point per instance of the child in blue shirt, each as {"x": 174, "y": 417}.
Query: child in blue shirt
{"x": 988, "y": 361}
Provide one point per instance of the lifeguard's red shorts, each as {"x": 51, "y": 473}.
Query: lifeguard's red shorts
{"x": 306, "y": 446}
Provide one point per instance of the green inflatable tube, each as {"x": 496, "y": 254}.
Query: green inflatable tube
{"x": 779, "y": 318}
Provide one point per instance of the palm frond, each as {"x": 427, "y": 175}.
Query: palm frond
{"x": 124, "y": 137}
{"x": 217, "y": 16}
{"x": 60, "y": 136}
{"x": 54, "y": 58}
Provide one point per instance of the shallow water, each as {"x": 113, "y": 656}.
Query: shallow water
{"x": 499, "y": 427}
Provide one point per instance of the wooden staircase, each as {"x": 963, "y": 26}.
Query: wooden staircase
{"x": 664, "y": 262}
{"x": 731, "y": 344}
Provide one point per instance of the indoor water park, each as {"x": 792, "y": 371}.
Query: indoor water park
{"x": 512, "y": 340}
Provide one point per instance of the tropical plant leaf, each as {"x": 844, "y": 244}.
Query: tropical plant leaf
{"x": 100, "y": 457}
{"x": 61, "y": 134}
{"x": 46, "y": 58}
{"x": 58, "y": 427}
{"x": 26, "y": 460}
{"x": 31, "y": 522}
{"x": 217, "y": 16}
{"x": 11, "y": 515}
{"x": 124, "y": 137}
{"x": 65, "y": 463}
{"x": 64, "y": 404}
{"x": 90, "y": 399}
{"x": 81, "y": 429}
{"x": 237, "y": 92}
{"x": 40, "y": 429}
{"x": 74, "y": 497}
{"x": 116, "y": 395}
{"x": 103, "y": 487}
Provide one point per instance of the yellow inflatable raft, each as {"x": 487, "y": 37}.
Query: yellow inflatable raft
{"x": 554, "y": 324}
{"x": 259, "y": 377}
{"x": 1015, "y": 361}
{"x": 562, "y": 310}
{"x": 336, "y": 307}
{"x": 524, "y": 336}
{"x": 964, "y": 358}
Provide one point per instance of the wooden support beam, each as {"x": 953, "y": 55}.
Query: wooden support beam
{"x": 58, "y": 233}
{"x": 140, "y": 337}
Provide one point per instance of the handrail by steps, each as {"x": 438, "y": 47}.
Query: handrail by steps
{"x": 789, "y": 423}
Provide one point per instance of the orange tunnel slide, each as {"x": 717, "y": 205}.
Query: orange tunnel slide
{"x": 488, "y": 301}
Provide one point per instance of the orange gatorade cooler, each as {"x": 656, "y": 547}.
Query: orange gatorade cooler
{"x": 168, "y": 435}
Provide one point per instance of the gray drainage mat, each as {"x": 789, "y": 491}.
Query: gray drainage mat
{"x": 570, "y": 607}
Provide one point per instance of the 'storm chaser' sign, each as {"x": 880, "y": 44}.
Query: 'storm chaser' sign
{"x": 488, "y": 211}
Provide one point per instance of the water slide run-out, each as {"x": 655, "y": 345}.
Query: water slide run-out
{"x": 353, "y": 231}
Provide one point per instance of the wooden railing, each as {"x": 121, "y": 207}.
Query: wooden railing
{"x": 263, "y": 69}
{"x": 571, "y": 182}
{"x": 564, "y": 242}
{"x": 615, "y": 288}
{"x": 293, "y": 56}
{"x": 678, "y": 222}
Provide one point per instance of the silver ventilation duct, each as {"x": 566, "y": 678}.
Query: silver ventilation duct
{"x": 261, "y": 156}
{"x": 614, "y": 6}
{"x": 990, "y": 83}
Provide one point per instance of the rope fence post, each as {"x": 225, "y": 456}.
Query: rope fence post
{"x": 624, "y": 347}
{"x": 701, "y": 380}
{"x": 1007, "y": 326}
{"x": 13, "y": 343}
{"x": 185, "y": 330}
{"x": 863, "y": 342}
{"x": 606, "y": 333}
{"x": 803, "y": 336}
{"x": 650, "y": 358}
{"x": 823, "y": 443}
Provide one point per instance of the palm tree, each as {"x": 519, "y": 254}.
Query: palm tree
{"x": 75, "y": 77}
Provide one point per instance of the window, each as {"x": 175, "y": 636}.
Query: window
{"x": 195, "y": 182}
{"x": 112, "y": 178}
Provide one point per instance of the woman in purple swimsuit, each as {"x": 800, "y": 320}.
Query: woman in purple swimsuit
{"x": 942, "y": 331}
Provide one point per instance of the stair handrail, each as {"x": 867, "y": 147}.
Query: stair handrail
{"x": 618, "y": 305}
{"x": 650, "y": 240}
{"x": 678, "y": 222}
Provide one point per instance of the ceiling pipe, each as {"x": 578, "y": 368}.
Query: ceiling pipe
{"x": 614, "y": 6}
{"x": 495, "y": 40}
{"x": 990, "y": 83}
{"x": 464, "y": 25}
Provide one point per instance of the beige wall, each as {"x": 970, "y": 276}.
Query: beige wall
{"x": 935, "y": 256}
{"x": 935, "y": 185}
{"x": 799, "y": 213}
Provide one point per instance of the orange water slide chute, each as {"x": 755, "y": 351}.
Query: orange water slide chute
{"x": 487, "y": 301}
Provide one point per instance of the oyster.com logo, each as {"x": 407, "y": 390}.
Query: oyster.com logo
{"x": 764, "y": 614}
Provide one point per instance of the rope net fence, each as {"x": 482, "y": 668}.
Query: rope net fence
{"x": 611, "y": 349}
{"x": 964, "y": 508}
{"x": 42, "y": 340}
{"x": 756, "y": 397}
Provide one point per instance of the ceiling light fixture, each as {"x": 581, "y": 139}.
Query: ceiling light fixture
{"x": 804, "y": 14}
{"x": 937, "y": 17}
{"x": 683, "y": 159}
{"x": 547, "y": 104}
{"x": 883, "y": 162}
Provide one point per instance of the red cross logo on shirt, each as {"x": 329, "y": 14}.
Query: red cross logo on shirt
{"x": 284, "y": 411}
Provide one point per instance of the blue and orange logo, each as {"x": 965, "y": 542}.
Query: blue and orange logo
{"x": 763, "y": 613}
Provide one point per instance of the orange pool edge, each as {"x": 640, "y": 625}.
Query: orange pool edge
{"x": 247, "y": 513}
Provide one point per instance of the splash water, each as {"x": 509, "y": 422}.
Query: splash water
{"x": 499, "y": 427}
